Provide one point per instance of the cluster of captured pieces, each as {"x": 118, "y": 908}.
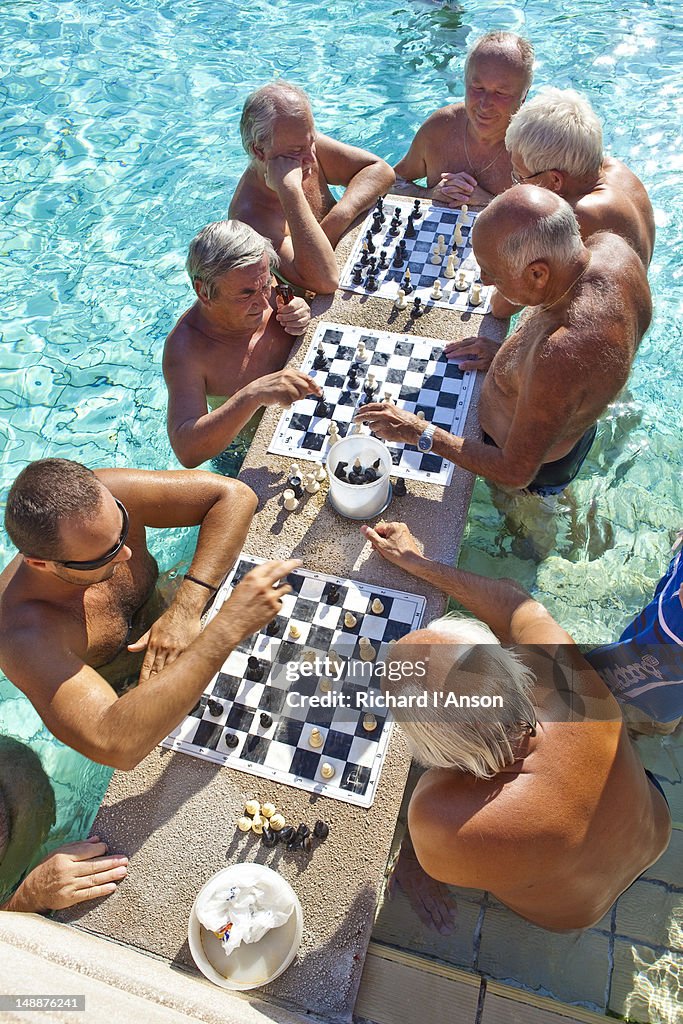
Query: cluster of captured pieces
{"x": 266, "y": 821}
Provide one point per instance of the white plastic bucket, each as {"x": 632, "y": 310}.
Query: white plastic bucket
{"x": 359, "y": 501}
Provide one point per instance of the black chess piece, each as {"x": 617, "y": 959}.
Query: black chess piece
{"x": 399, "y": 489}
{"x": 340, "y": 470}
{"x": 365, "y": 257}
{"x": 370, "y": 474}
{"x": 371, "y": 244}
{"x": 410, "y": 231}
{"x": 397, "y": 260}
{"x": 323, "y": 409}
{"x": 296, "y": 485}
{"x": 215, "y": 707}
{"x": 274, "y": 628}
{"x": 397, "y": 214}
{"x": 357, "y": 476}
{"x": 383, "y": 262}
{"x": 404, "y": 248}
{"x": 417, "y": 307}
{"x": 393, "y": 228}
{"x": 255, "y": 669}
{"x": 371, "y": 282}
{"x": 265, "y": 719}
{"x": 417, "y": 212}
{"x": 353, "y": 381}
{"x": 357, "y": 274}
{"x": 321, "y": 829}
{"x": 269, "y": 837}
{"x": 379, "y": 206}
{"x": 230, "y": 739}
{"x": 376, "y": 224}
{"x": 407, "y": 286}
{"x": 321, "y": 362}
{"x": 333, "y": 594}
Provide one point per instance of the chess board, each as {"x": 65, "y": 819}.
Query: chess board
{"x": 280, "y": 751}
{"x": 415, "y": 372}
{"x": 435, "y": 221}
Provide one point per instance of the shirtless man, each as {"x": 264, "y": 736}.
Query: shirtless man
{"x": 555, "y": 141}
{"x": 543, "y": 802}
{"x": 284, "y": 192}
{"x": 81, "y": 591}
{"x": 550, "y": 380}
{"x": 68, "y": 875}
{"x": 223, "y": 359}
{"x": 460, "y": 149}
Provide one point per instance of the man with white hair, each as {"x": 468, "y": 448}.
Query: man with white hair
{"x": 223, "y": 361}
{"x": 460, "y": 148}
{"x": 543, "y": 800}
{"x": 555, "y": 141}
{"x": 551, "y": 379}
{"x": 284, "y": 192}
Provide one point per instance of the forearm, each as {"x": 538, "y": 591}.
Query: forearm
{"x": 408, "y": 187}
{"x": 24, "y": 900}
{"x": 200, "y": 439}
{"x": 360, "y": 194}
{"x": 314, "y": 262}
{"x": 491, "y": 601}
{"x": 133, "y": 725}
{"x": 221, "y": 536}
{"x": 483, "y": 459}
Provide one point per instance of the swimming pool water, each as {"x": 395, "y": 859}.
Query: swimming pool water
{"x": 120, "y": 141}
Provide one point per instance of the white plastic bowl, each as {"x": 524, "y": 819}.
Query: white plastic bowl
{"x": 359, "y": 501}
{"x": 251, "y": 964}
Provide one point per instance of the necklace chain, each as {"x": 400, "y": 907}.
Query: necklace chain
{"x": 572, "y": 285}
{"x": 469, "y": 158}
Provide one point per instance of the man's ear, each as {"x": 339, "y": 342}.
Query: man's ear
{"x": 556, "y": 180}
{"x": 537, "y": 274}
{"x": 258, "y": 152}
{"x": 37, "y": 563}
{"x": 201, "y": 291}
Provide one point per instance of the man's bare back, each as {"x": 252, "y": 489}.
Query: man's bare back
{"x": 618, "y": 203}
{"x": 561, "y": 367}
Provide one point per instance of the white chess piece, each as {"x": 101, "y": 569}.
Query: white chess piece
{"x": 475, "y": 294}
{"x": 457, "y": 236}
{"x": 401, "y": 302}
{"x": 436, "y": 290}
{"x": 312, "y": 485}
{"x": 462, "y": 216}
{"x": 320, "y": 473}
{"x": 461, "y": 281}
{"x": 450, "y": 267}
{"x": 290, "y": 502}
{"x": 333, "y": 432}
{"x": 361, "y": 352}
{"x": 441, "y": 242}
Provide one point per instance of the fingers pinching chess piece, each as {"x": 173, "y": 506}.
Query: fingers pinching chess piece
{"x": 461, "y": 281}
{"x": 436, "y": 290}
{"x": 450, "y": 267}
{"x": 420, "y": 414}
{"x": 400, "y": 302}
{"x": 366, "y": 650}
{"x": 475, "y": 294}
{"x": 290, "y": 501}
{"x": 312, "y": 485}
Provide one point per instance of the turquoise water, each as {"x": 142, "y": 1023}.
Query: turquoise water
{"x": 120, "y": 141}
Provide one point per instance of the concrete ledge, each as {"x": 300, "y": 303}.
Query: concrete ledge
{"x": 41, "y": 957}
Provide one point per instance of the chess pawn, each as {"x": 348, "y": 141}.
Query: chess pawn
{"x": 290, "y": 502}
{"x": 436, "y": 290}
{"x": 320, "y": 473}
{"x": 475, "y": 294}
{"x": 400, "y": 302}
{"x": 361, "y": 352}
{"x": 450, "y": 267}
{"x": 333, "y": 432}
{"x": 312, "y": 485}
{"x": 461, "y": 281}
{"x": 462, "y": 216}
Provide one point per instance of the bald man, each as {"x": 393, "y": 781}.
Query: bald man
{"x": 551, "y": 379}
{"x": 460, "y": 148}
{"x": 284, "y": 192}
{"x": 555, "y": 141}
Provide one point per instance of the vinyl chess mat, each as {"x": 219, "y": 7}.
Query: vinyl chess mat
{"x": 413, "y": 370}
{"x": 435, "y": 221}
{"x": 229, "y": 729}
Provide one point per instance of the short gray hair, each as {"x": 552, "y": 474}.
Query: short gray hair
{"x": 558, "y": 129}
{"x": 224, "y": 246}
{"x": 496, "y": 42}
{"x": 554, "y": 237}
{"x": 468, "y": 739}
{"x": 262, "y": 108}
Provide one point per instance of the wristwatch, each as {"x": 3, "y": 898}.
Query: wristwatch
{"x": 426, "y": 439}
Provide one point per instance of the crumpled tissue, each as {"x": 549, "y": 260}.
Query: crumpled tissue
{"x": 244, "y": 912}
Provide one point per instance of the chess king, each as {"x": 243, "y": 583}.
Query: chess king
{"x": 81, "y": 616}
{"x": 284, "y": 192}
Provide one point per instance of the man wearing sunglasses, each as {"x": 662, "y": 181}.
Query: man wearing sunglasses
{"x": 80, "y": 600}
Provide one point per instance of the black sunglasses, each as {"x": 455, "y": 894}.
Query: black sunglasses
{"x": 97, "y": 563}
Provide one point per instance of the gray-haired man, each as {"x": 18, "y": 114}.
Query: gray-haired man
{"x": 542, "y": 799}
{"x": 223, "y": 360}
{"x": 284, "y": 192}
{"x": 551, "y": 379}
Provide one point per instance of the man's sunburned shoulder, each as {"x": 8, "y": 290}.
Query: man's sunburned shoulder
{"x": 443, "y": 119}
